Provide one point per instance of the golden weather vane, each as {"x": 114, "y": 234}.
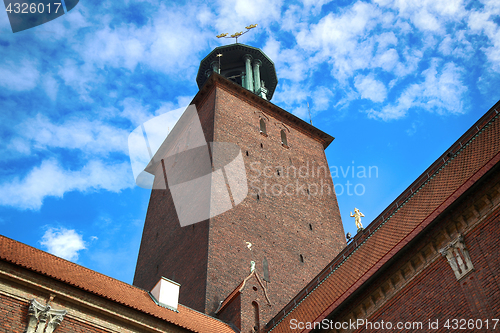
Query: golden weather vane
{"x": 237, "y": 34}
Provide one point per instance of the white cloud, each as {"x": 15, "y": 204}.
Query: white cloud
{"x": 322, "y": 99}
{"x": 115, "y": 47}
{"x": 314, "y": 6}
{"x": 135, "y": 111}
{"x": 50, "y": 179}
{"x": 293, "y": 18}
{"x": 63, "y": 243}
{"x": 442, "y": 91}
{"x": 428, "y": 15}
{"x": 426, "y": 21}
{"x": 338, "y": 33}
{"x": 50, "y": 86}
{"x": 82, "y": 78}
{"x": 386, "y": 40}
{"x": 91, "y": 137}
{"x": 272, "y": 49}
{"x": 20, "y": 145}
{"x": 234, "y": 15}
{"x": 290, "y": 95}
{"x": 387, "y": 60}
{"x": 409, "y": 64}
{"x": 21, "y": 75}
{"x": 481, "y": 21}
{"x": 370, "y": 88}
{"x": 169, "y": 42}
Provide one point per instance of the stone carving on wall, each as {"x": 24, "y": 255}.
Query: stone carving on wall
{"x": 458, "y": 257}
{"x": 42, "y": 318}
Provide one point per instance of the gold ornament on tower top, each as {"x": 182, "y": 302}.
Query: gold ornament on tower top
{"x": 357, "y": 218}
{"x": 237, "y": 34}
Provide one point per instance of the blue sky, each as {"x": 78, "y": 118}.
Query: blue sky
{"x": 395, "y": 82}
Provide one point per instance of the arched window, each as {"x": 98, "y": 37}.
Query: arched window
{"x": 263, "y": 127}
{"x": 284, "y": 142}
{"x": 256, "y": 325}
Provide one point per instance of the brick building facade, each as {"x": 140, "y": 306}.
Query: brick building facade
{"x": 278, "y": 263}
{"x": 299, "y": 231}
{"x": 84, "y": 300}
{"x": 428, "y": 263}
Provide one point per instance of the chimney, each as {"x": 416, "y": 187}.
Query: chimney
{"x": 166, "y": 293}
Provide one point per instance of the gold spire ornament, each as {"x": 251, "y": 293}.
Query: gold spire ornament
{"x": 357, "y": 218}
{"x": 237, "y": 34}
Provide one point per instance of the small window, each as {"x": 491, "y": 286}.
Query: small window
{"x": 310, "y": 226}
{"x": 263, "y": 129}
{"x": 301, "y": 258}
{"x": 284, "y": 141}
{"x": 256, "y": 315}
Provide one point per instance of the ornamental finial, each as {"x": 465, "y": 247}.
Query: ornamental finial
{"x": 237, "y": 34}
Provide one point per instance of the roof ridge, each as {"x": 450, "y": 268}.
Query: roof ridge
{"x": 68, "y": 272}
{"x": 471, "y": 134}
{"x": 66, "y": 261}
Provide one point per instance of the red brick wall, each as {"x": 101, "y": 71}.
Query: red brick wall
{"x": 278, "y": 226}
{"x": 437, "y": 295}
{"x": 14, "y": 319}
{"x": 232, "y": 312}
{"x": 168, "y": 250}
{"x": 434, "y": 293}
{"x": 70, "y": 325}
{"x": 13, "y": 315}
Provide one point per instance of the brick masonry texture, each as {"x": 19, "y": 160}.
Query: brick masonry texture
{"x": 168, "y": 250}
{"x": 446, "y": 184}
{"x": 91, "y": 299}
{"x": 419, "y": 285}
{"x": 298, "y": 233}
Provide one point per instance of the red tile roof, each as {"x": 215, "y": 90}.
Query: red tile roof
{"x": 117, "y": 291}
{"x": 476, "y": 152}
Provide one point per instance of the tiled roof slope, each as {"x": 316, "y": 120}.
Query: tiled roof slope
{"x": 442, "y": 183}
{"x": 120, "y": 292}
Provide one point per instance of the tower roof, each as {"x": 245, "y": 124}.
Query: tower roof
{"x": 442, "y": 185}
{"x": 232, "y": 58}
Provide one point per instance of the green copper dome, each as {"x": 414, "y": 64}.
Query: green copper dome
{"x": 247, "y": 66}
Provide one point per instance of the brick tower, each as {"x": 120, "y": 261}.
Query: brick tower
{"x": 289, "y": 224}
